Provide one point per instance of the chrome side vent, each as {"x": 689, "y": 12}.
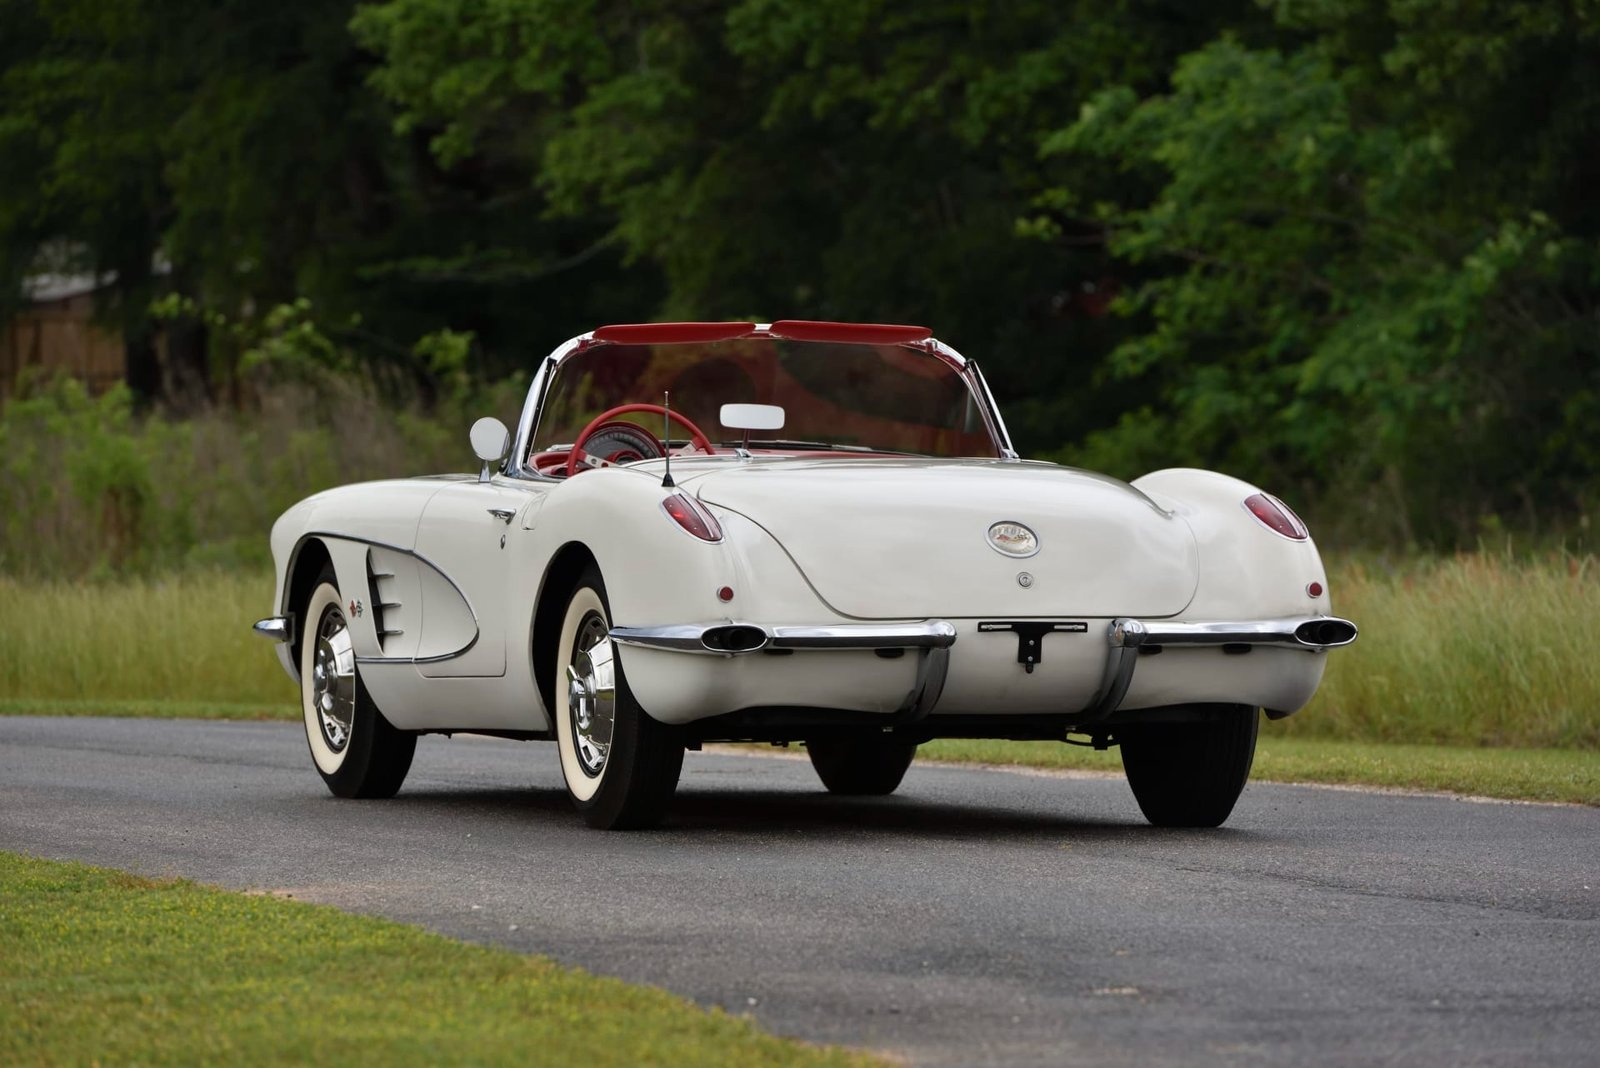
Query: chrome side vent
{"x": 381, "y": 586}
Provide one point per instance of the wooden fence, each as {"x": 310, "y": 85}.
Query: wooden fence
{"x": 60, "y": 336}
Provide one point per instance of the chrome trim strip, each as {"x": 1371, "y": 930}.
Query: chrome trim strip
{"x": 275, "y": 628}
{"x": 933, "y": 665}
{"x": 690, "y": 637}
{"x": 997, "y": 424}
{"x": 1247, "y": 632}
{"x": 516, "y": 460}
{"x": 935, "y": 634}
{"x": 1123, "y": 638}
{"x": 676, "y": 638}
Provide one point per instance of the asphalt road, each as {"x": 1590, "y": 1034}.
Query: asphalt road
{"x": 976, "y": 917}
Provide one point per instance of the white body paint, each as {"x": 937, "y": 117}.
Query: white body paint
{"x": 807, "y": 541}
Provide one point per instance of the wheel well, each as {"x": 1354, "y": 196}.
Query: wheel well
{"x": 560, "y": 579}
{"x": 310, "y": 559}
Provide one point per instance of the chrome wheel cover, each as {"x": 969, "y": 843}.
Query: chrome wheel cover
{"x": 333, "y": 680}
{"x": 592, "y": 694}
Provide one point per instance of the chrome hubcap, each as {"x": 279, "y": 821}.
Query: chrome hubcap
{"x": 333, "y": 680}
{"x": 592, "y": 694}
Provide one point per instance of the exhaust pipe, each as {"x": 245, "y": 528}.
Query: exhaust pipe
{"x": 1325, "y": 633}
{"x": 735, "y": 638}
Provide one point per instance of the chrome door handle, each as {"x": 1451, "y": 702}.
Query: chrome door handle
{"x": 503, "y": 514}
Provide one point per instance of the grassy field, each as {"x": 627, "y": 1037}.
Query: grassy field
{"x": 1478, "y": 650}
{"x": 1489, "y": 655}
{"x": 181, "y": 638}
{"x": 103, "y": 967}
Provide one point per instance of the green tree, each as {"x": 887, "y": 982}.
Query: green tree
{"x": 1374, "y": 255}
{"x": 851, "y": 159}
{"x": 82, "y": 176}
{"x": 236, "y": 148}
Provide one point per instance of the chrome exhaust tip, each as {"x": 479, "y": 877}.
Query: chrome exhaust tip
{"x": 735, "y": 638}
{"x": 1326, "y": 633}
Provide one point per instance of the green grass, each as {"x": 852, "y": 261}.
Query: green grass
{"x": 181, "y": 638}
{"x": 149, "y": 709}
{"x": 103, "y": 967}
{"x": 1477, "y": 649}
{"x": 1470, "y": 650}
{"x": 1468, "y": 669}
{"x": 1571, "y": 775}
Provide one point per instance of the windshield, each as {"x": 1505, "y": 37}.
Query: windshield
{"x": 883, "y": 398}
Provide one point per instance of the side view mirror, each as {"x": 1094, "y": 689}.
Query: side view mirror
{"x": 490, "y": 443}
{"x": 751, "y": 416}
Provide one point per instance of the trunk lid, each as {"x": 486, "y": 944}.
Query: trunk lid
{"x": 908, "y": 538}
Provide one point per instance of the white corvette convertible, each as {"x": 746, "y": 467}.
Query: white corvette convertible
{"x": 791, "y": 532}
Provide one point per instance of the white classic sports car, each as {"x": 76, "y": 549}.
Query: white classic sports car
{"x": 796, "y": 531}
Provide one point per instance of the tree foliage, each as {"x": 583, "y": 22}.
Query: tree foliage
{"x": 1352, "y": 243}
{"x": 1376, "y": 256}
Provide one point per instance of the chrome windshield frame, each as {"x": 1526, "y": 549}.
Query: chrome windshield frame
{"x": 516, "y": 466}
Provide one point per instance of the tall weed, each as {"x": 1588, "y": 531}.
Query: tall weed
{"x": 1476, "y": 650}
{"x": 179, "y": 638}
{"x": 1473, "y": 649}
{"x": 87, "y": 489}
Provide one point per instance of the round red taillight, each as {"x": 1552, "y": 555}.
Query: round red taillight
{"x": 1276, "y": 516}
{"x": 1315, "y": 589}
{"x": 725, "y": 594}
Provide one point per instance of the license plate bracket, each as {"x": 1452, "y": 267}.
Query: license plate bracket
{"x": 1030, "y": 635}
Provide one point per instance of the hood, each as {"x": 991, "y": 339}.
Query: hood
{"x": 909, "y": 538}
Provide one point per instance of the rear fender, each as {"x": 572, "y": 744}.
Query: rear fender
{"x": 1246, "y": 570}
{"x": 657, "y": 573}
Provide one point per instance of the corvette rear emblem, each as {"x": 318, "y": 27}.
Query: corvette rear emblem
{"x": 1013, "y": 539}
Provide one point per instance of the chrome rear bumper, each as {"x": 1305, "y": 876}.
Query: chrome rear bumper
{"x": 1125, "y": 638}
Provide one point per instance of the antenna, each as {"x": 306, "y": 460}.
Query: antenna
{"x": 666, "y": 442}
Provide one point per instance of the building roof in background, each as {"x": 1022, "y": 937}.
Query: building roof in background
{"x": 59, "y": 272}
{"x": 42, "y": 288}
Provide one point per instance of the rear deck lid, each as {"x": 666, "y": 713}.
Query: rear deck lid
{"x": 891, "y": 538}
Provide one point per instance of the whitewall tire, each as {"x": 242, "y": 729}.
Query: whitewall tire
{"x": 620, "y": 766}
{"x": 357, "y": 752}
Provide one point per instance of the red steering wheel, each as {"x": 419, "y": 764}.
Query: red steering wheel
{"x": 577, "y": 455}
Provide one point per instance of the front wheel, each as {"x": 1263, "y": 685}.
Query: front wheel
{"x": 1190, "y": 774}
{"x": 621, "y": 767}
{"x": 869, "y": 767}
{"x": 357, "y": 752}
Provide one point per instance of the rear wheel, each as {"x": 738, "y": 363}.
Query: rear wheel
{"x": 621, "y": 767}
{"x": 1190, "y": 774}
{"x": 861, "y": 767}
{"x": 357, "y": 752}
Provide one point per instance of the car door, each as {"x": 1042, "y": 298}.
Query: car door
{"x": 463, "y": 536}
